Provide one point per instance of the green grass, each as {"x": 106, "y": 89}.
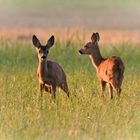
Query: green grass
{"x": 24, "y": 115}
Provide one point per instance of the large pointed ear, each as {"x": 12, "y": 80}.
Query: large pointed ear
{"x": 98, "y": 36}
{"x": 95, "y": 37}
{"x": 36, "y": 41}
{"x": 50, "y": 41}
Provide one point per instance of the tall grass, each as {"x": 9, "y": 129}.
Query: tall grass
{"x": 24, "y": 115}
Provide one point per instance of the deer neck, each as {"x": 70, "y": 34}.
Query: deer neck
{"x": 43, "y": 70}
{"x": 96, "y": 58}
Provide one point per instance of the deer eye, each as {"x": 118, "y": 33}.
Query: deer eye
{"x": 39, "y": 51}
{"x": 47, "y": 51}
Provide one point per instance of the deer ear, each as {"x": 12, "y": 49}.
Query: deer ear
{"x": 98, "y": 36}
{"x": 95, "y": 37}
{"x": 50, "y": 42}
{"x": 36, "y": 41}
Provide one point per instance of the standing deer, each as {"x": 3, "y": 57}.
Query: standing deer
{"x": 50, "y": 73}
{"x": 110, "y": 70}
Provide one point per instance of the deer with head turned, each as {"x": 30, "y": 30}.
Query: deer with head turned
{"x": 50, "y": 73}
{"x": 109, "y": 70}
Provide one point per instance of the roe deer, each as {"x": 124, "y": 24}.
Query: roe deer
{"x": 110, "y": 70}
{"x": 50, "y": 73}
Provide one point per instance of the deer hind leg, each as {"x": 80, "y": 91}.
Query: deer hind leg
{"x": 110, "y": 91}
{"x": 102, "y": 86}
{"x": 53, "y": 90}
{"x": 120, "y": 82}
{"x": 65, "y": 88}
{"x": 116, "y": 87}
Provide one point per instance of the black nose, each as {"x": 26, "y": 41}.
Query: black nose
{"x": 44, "y": 57}
{"x": 80, "y": 52}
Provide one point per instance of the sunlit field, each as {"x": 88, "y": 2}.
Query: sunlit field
{"x": 24, "y": 115}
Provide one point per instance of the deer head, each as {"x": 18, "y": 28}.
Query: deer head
{"x": 91, "y": 47}
{"x": 42, "y": 50}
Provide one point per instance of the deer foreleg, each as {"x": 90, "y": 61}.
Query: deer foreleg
{"x": 41, "y": 86}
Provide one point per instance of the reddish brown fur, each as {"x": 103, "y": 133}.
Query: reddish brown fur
{"x": 110, "y": 71}
{"x": 50, "y": 73}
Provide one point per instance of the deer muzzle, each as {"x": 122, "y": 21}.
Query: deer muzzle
{"x": 43, "y": 57}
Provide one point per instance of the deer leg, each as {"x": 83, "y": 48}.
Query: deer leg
{"x": 41, "y": 86}
{"x": 48, "y": 88}
{"x": 110, "y": 91}
{"x": 118, "y": 91}
{"x": 120, "y": 84}
{"x": 102, "y": 87}
{"x": 65, "y": 88}
{"x": 53, "y": 90}
{"x": 116, "y": 88}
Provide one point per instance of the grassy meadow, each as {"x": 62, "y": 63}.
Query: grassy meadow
{"x": 24, "y": 115}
